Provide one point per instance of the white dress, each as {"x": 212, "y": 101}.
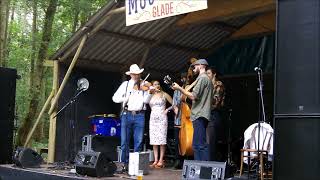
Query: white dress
{"x": 158, "y": 124}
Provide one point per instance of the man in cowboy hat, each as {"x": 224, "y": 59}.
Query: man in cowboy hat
{"x": 133, "y": 101}
{"x": 201, "y": 97}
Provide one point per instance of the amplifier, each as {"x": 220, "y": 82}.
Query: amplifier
{"x": 87, "y": 143}
{"x": 138, "y": 161}
{"x": 203, "y": 170}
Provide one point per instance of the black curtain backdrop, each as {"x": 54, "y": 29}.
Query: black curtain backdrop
{"x": 73, "y": 122}
{"x": 242, "y": 56}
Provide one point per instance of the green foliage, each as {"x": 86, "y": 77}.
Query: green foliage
{"x": 20, "y": 43}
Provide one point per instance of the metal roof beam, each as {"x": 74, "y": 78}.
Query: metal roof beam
{"x": 150, "y": 41}
{"x": 114, "y": 67}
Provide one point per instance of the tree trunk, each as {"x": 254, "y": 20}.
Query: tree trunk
{"x": 3, "y": 30}
{"x": 10, "y": 19}
{"x": 38, "y": 133}
{"x": 76, "y": 15}
{"x": 34, "y": 35}
{"x": 85, "y": 14}
{"x": 36, "y": 77}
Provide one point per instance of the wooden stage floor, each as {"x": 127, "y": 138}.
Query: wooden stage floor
{"x": 51, "y": 172}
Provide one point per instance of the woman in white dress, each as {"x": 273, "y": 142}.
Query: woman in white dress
{"x": 158, "y": 124}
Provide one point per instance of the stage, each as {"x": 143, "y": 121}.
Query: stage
{"x": 54, "y": 172}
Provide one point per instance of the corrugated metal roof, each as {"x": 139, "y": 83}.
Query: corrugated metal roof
{"x": 171, "y": 46}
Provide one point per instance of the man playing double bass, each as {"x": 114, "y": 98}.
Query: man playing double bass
{"x": 201, "y": 97}
{"x": 176, "y": 103}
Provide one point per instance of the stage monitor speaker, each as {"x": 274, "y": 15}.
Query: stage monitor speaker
{"x": 297, "y": 72}
{"x": 7, "y": 108}
{"x": 26, "y": 158}
{"x": 96, "y": 164}
{"x": 98, "y": 143}
{"x": 203, "y": 170}
{"x": 296, "y": 148}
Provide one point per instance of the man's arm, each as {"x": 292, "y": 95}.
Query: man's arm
{"x": 190, "y": 95}
{"x": 119, "y": 95}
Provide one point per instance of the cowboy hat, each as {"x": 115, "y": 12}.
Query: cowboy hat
{"x": 134, "y": 69}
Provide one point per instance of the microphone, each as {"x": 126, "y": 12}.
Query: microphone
{"x": 257, "y": 69}
{"x": 83, "y": 84}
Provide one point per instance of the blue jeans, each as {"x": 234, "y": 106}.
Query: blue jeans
{"x": 131, "y": 123}
{"x": 199, "y": 143}
{"x": 213, "y": 134}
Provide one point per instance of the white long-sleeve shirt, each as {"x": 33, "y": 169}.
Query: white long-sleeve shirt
{"x": 134, "y": 99}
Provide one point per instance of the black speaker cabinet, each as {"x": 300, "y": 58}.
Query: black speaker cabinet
{"x": 296, "y": 148}
{"x": 297, "y": 82}
{"x": 26, "y": 158}
{"x": 7, "y": 108}
{"x": 203, "y": 170}
{"x": 297, "y": 90}
{"x": 96, "y": 164}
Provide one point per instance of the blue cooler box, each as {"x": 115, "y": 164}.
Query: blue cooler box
{"x": 106, "y": 126}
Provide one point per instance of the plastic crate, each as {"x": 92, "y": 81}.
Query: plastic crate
{"x": 106, "y": 126}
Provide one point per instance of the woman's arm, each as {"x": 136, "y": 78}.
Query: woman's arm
{"x": 168, "y": 97}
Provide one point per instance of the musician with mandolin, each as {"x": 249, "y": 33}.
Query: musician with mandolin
{"x": 217, "y": 104}
{"x": 201, "y": 97}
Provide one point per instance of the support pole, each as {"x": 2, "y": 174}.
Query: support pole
{"x": 46, "y": 105}
{"x": 52, "y": 127}
{"x": 65, "y": 79}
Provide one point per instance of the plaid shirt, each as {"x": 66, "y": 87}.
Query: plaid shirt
{"x": 218, "y": 95}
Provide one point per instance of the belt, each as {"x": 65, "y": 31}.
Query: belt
{"x": 135, "y": 112}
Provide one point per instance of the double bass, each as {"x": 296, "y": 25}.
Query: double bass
{"x": 186, "y": 129}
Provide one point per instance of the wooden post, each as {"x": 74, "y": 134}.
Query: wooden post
{"x": 52, "y": 127}
{"x": 46, "y": 105}
{"x": 65, "y": 79}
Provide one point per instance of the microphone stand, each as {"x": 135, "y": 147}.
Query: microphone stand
{"x": 229, "y": 160}
{"x": 261, "y": 109}
{"x": 72, "y": 124}
{"x": 71, "y": 101}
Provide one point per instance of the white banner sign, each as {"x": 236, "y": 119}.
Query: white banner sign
{"x": 138, "y": 11}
